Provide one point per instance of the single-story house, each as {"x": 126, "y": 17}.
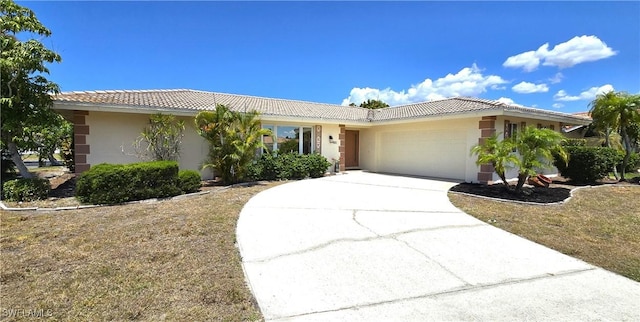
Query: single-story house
{"x": 423, "y": 139}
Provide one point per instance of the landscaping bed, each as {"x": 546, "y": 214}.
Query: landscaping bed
{"x": 558, "y": 190}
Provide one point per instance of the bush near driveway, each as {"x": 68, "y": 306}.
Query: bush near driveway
{"x": 287, "y": 166}
{"x": 118, "y": 183}
{"x": 588, "y": 164}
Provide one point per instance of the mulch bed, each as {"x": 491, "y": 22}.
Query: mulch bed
{"x": 532, "y": 194}
{"x": 558, "y": 191}
{"x": 63, "y": 186}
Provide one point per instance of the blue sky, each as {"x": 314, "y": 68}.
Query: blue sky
{"x": 551, "y": 55}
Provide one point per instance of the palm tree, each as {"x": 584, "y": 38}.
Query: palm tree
{"x": 233, "y": 137}
{"x": 498, "y": 154}
{"x": 619, "y": 112}
{"x": 536, "y": 148}
{"x": 246, "y": 141}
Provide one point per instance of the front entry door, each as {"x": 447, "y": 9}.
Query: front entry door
{"x": 352, "y": 149}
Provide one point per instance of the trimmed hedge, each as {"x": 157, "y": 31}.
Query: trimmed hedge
{"x": 189, "y": 181}
{"x": 118, "y": 183}
{"x": 288, "y": 166}
{"x": 588, "y": 164}
{"x": 26, "y": 189}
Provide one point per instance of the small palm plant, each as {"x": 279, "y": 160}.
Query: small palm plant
{"x": 498, "y": 154}
{"x": 537, "y": 148}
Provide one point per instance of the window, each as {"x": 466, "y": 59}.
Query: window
{"x": 288, "y": 139}
{"x": 513, "y": 129}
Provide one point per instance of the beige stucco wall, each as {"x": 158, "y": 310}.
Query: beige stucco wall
{"x": 438, "y": 148}
{"x": 112, "y": 134}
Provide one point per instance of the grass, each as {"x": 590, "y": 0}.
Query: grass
{"x": 598, "y": 225}
{"x": 31, "y": 157}
{"x": 628, "y": 175}
{"x": 169, "y": 260}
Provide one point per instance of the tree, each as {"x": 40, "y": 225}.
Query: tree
{"x": 47, "y": 138}
{"x": 233, "y": 139}
{"x": 498, "y": 154}
{"x": 161, "y": 139}
{"x": 25, "y": 91}
{"x": 373, "y": 104}
{"x": 619, "y": 112}
{"x": 536, "y": 149}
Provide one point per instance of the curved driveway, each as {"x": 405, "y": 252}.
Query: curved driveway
{"x": 373, "y": 247}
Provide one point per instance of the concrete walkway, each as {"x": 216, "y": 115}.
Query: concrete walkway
{"x": 372, "y": 247}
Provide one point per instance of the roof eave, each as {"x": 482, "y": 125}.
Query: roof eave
{"x": 137, "y": 109}
{"x": 132, "y": 109}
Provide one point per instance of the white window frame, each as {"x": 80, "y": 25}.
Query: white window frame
{"x": 300, "y": 140}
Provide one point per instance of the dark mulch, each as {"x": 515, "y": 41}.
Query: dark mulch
{"x": 63, "y": 186}
{"x": 531, "y": 194}
{"x": 558, "y": 191}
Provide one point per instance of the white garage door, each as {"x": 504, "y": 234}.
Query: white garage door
{"x": 434, "y": 153}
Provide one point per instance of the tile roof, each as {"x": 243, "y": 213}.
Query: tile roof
{"x": 184, "y": 99}
{"x": 458, "y": 105}
{"x": 200, "y": 100}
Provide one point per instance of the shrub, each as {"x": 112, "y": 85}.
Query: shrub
{"x": 317, "y": 165}
{"x": 112, "y": 184}
{"x": 26, "y": 189}
{"x": 292, "y": 166}
{"x": 189, "y": 181}
{"x": 588, "y": 164}
{"x": 267, "y": 167}
{"x": 632, "y": 165}
{"x": 287, "y": 166}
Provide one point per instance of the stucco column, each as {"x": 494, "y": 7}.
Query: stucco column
{"x": 80, "y": 133}
{"x": 342, "y": 148}
{"x": 487, "y": 126}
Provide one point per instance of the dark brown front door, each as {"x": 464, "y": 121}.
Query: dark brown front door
{"x": 352, "y": 149}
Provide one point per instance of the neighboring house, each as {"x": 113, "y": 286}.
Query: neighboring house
{"x": 423, "y": 139}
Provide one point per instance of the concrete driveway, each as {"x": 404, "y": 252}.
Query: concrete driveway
{"x": 373, "y": 247}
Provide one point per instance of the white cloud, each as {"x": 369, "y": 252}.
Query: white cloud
{"x": 528, "y": 88}
{"x": 528, "y": 61}
{"x": 557, "y": 78}
{"x": 506, "y": 100}
{"x": 567, "y": 54}
{"x": 468, "y": 81}
{"x": 557, "y": 105}
{"x": 589, "y": 94}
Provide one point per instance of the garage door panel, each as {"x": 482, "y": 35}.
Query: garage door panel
{"x": 425, "y": 153}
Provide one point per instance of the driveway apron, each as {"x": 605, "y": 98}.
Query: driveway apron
{"x": 375, "y": 247}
